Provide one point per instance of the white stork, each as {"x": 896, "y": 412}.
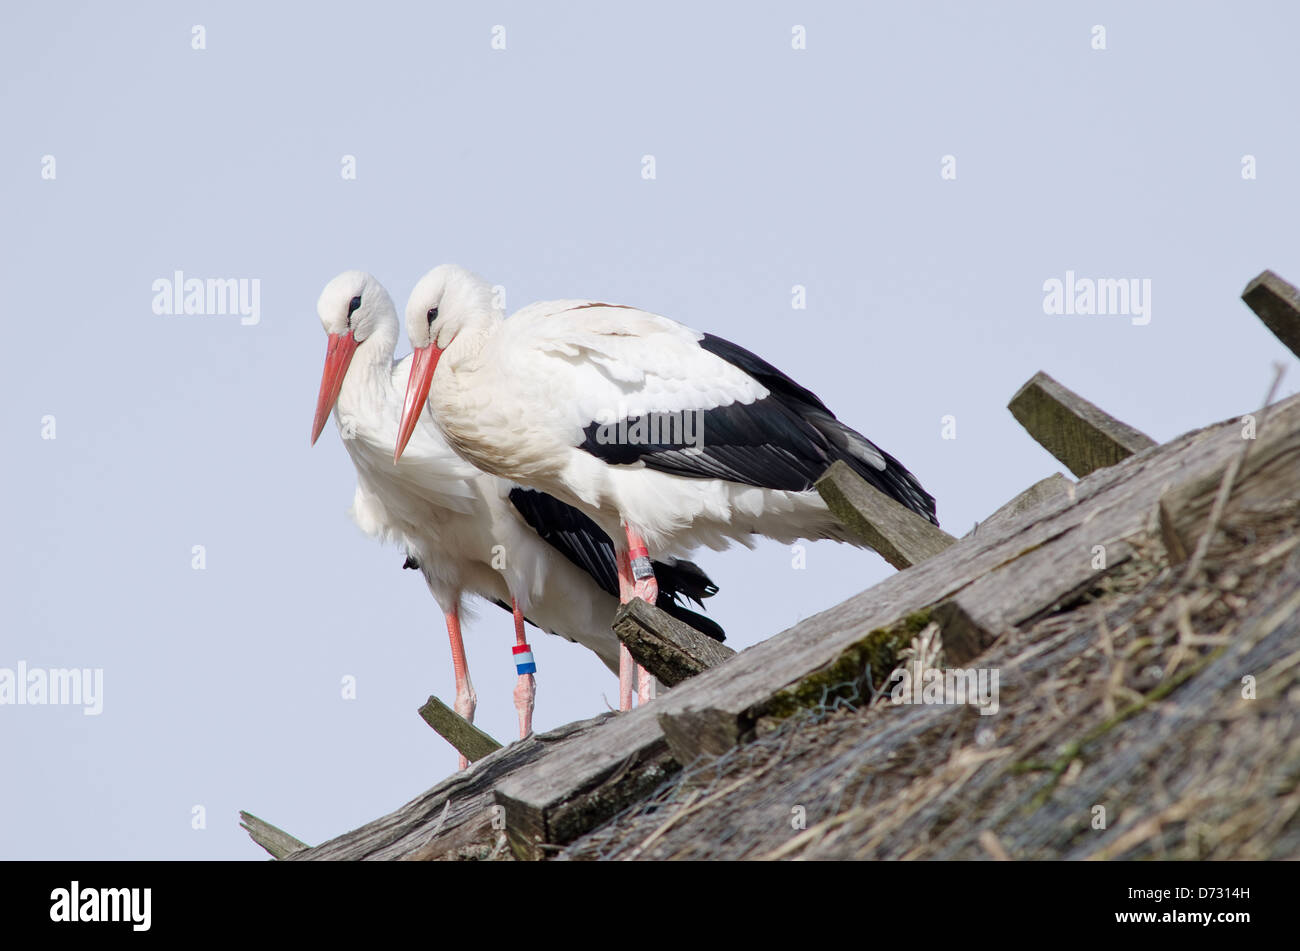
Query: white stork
{"x": 668, "y": 438}
{"x": 466, "y": 531}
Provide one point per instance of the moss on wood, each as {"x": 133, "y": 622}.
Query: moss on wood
{"x": 867, "y": 660}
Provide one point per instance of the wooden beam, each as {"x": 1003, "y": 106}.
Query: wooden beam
{"x": 663, "y": 645}
{"x": 276, "y": 841}
{"x": 695, "y": 733}
{"x": 965, "y": 636}
{"x": 471, "y": 742}
{"x": 549, "y": 808}
{"x": 1073, "y": 430}
{"x": 902, "y": 537}
{"x": 1277, "y": 303}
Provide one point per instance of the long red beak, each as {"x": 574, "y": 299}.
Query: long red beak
{"x": 338, "y": 355}
{"x": 417, "y": 391}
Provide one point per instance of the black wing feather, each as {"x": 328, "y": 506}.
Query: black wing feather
{"x": 787, "y": 440}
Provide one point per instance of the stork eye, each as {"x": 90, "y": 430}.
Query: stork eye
{"x": 433, "y": 314}
{"x": 354, "y": 304}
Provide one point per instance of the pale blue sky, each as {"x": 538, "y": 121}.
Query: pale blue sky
{"x": 775, "y": 167}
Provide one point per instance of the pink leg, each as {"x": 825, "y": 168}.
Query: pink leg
{"x": 636, "y": 579}
{"x": 466, "y": 699}
{"x": 624, "y": 566}
{"x": 644, "y": 585}
{"x": 625, "y": 664}
{"x": 625, "y": 677}
{"x": 526, "y": 686}
{"x": 645, "y": 686}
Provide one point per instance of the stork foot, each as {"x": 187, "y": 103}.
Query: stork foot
{"x": 626, "y": 674}
{"x": 465, "y": 705}
{"x": 645, "y": 686}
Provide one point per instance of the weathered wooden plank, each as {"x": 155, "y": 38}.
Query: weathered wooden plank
{"x": 1052, "y": 487}
{"x": 1072, "y": 429}
{"x": 1109, "y": 506}
{"x": 663, "y": 645}
{"x": 1277, "y": 303}
{"x": 902, "y": 537}
{"x": 456, "y": 819}
{"x": 694, "y": 733}
{"x": 276, "y": 841}
{"x": 471, "y": 742}
{"x": 533, "y": 823}
{"x": 965, "y": 635}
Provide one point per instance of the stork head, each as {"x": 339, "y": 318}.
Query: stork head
{"x": 352, "y": 307}
{"x": 446, "y": 302}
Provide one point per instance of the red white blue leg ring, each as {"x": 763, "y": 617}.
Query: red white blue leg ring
{"x": 524, "y": 663}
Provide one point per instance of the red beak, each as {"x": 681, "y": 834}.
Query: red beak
{"x": 338, "y": 355}
{"x": 417, "y": 391}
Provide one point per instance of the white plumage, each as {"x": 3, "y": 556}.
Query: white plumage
{"x": 521, "y": 398}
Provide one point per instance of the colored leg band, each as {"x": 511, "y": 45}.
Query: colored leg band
{"x": 641, "y": 567}
{"x": 524, "y": 663}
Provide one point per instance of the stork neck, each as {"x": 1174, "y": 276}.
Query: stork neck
{"x": 463, "y": 352}
{"x": 369, "y": 378}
